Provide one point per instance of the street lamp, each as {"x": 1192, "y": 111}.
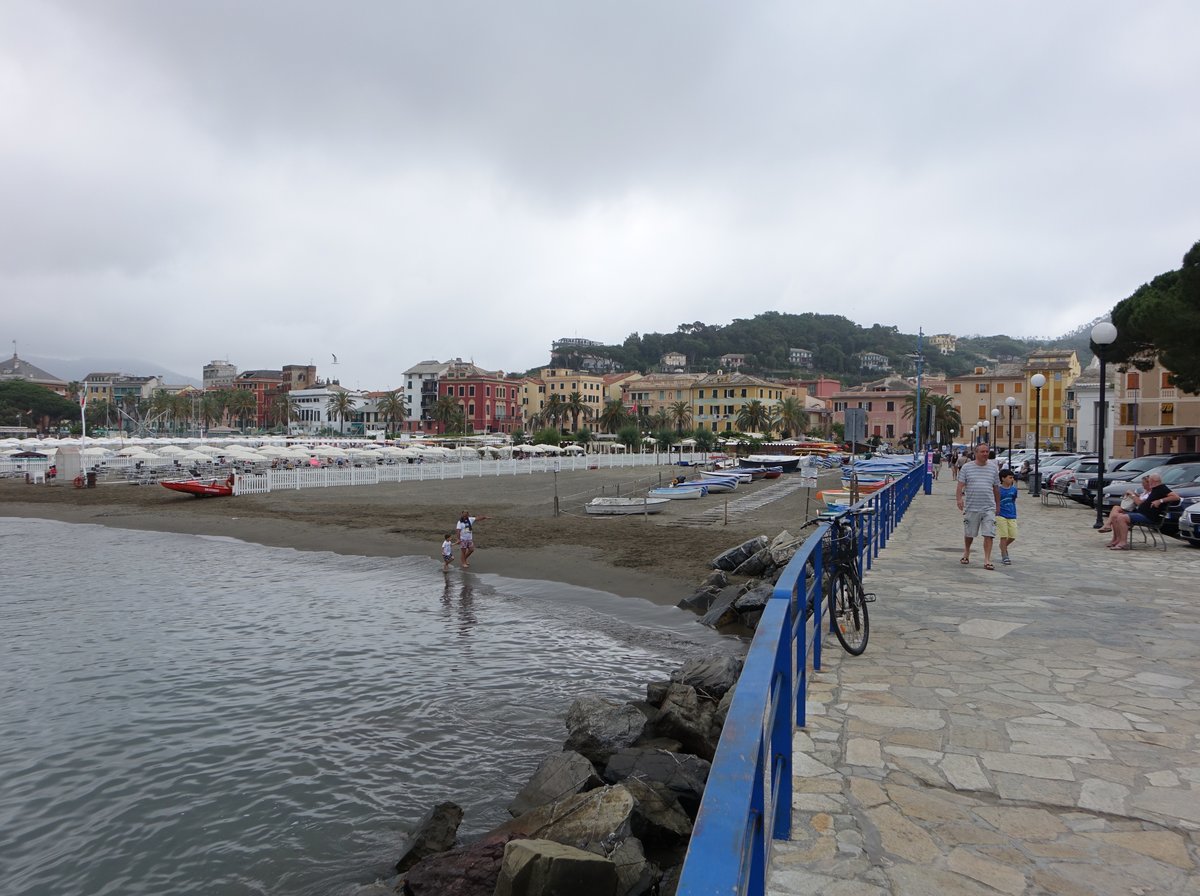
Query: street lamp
{"x": 996, "y": 424}
{"x": 974, "y": 440}
{"x": 1037, "y": 381}
{"x": 1011, "y": 401}
{"x": 1103, "y": 335}
{"x": 983, "y": 432}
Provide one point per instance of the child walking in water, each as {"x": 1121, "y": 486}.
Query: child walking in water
{"x": 1006, "y": 522}
{"x": 447, "y": 551}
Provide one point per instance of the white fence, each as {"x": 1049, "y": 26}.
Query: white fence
{"x": 257, "y": 483}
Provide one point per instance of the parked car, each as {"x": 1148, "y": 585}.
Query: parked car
{"x": 1052, "y": 466}
{"x": 1189, "y": 496}
{"x": 1083, "y": 489}
{"x": 1172, "y": 475}
{"x": 1189, "y": 524}
{"x": 1061, "y": 480}
{"x": 1135, "y": 468}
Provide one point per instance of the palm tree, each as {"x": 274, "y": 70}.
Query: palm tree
{"x": 282, "y": 411}
{"x": 660, "y": 419}
{"x": 446, "y": 411}
{"x": 212, "y": 408}
{"x": 681, "y": 414}
{"x": 706, "y": 439}
{"x": 554, "y": 411}
{"x": 753, "y": 417}
{"x": 242, "y": 403}
{"x": 945, "y": 415}
{"x": 341, "y": 405}
{"x": 575, "y": 405}
{"x": 391, "y": 408}
{"x": 793, "y": 419}
{"x": 614, "y": 416}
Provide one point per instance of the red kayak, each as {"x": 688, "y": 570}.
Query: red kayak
{"x": 201, "y": 488}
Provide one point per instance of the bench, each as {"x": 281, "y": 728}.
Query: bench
{"x": 1151, "y": 534}
{"x": 1050, "y": 497}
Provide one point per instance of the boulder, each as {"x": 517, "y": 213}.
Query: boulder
{"x": 735, "y": 557}
{"x": 636, "y": 875}
{"x": 717, "y": 579}
{"x": 659, "y": 819}
{"x": 757, "y": 564}
{"x": 784, "y": 547}
{"x": 559, "y": 775}
{"x": 467, "y": 871}
{"x": 435, "y": 833}
{"x": 754, "y": 599}
{"x": 656, "y": 691}
{"x": 683, "y": 774}
{"x": 723, "y": 709}
{"x": 598, "y": 728}
{"x": 712, "y": 676}
{"x": 596, "y": 820}
{"x": 721, "y": 612}
{"x": 546, "y": 868}
{"x": 689, "y": 720}
{"x": 700, "y": 599}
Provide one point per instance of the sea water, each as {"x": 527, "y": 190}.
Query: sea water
{"x": 187, "y": 714}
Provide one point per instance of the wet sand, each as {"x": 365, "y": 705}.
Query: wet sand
{"x": 660, "y": 558}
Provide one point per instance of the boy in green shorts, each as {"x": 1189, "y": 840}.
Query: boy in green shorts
{"x": 1006, "y": 520}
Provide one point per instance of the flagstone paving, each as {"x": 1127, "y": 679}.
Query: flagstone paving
{"x": 1032, "y": 729}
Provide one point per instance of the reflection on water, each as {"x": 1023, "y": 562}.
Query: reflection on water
{"x": 187, "y": 714}
{"x": 458, "y": 597}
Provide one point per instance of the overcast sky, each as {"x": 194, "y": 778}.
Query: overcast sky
{"x": 280, "y": 182}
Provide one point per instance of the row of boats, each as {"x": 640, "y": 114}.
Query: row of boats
{"x": 707, "y": 482}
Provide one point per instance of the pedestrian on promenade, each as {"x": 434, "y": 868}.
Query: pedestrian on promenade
{"x": 447, "y": 551}
{"x": 1006, "y": 519}
{"x": 466, "y": 536}
{"x": 937, "y": 462}
{"x": 978, "y": 497}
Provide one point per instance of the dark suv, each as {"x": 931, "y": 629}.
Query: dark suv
{"x": 1134, "y": 469}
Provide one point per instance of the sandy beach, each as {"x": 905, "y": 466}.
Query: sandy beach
{"x": 660, "y": 558}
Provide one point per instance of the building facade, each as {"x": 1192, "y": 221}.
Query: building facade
{"x": 977, "y": 394}
{"x": 1061, "y": 369}
{"x": 884, "y": 401}
{"x": 490, "y": 401}
{"x": 421, "y": 394}
{"x": 1152, "y": 416}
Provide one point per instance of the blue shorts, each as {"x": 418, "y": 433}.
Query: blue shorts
{"x": 1139, "y": 519}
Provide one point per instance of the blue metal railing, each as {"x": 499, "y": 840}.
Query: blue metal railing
{"x": 748, "y": 798}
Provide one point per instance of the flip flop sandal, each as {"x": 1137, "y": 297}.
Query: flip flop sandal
{"x": 988, "y": 566}
{"x": 964, "y": 560}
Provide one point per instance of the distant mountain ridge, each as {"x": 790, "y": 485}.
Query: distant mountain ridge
{"x": 78, "y": 368}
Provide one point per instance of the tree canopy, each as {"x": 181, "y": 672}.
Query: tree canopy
{"x": 1161, "y": 321}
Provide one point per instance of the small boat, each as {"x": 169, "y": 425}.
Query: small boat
{"x": 772, "y": 472}
{"x": 730, "y": 473}
{"x": 719, "y": 486}
{"x": 786, "y": 464}
{"x": 625, "y": 506}
{"x": 201, "y": 488}
{"x": 678, "y": 492}
{"x": 835, "y": 499}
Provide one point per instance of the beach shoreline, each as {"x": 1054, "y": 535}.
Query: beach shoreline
{"x": 659, "y": 558}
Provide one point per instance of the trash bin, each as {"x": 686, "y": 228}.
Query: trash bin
{"x": 91, "y": 479}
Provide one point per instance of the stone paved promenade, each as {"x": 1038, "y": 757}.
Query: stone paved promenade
{"x": 1033, "y": 729}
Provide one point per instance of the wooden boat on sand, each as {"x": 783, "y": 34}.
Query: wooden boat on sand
{"x": 625, "y": 506}
{"x": 679, "y": 492}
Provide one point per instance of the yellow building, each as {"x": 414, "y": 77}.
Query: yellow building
{"x": 977, "y": 394}
{"x": 1061, "y": 369}
{"x": 536, "y": 391}
{"x": 655, "y": 392}
{"x": 718, "y": 397}
{"x": 1153, "y": 416}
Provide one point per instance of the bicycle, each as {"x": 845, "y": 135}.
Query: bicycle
{"x": 847, "y": 599}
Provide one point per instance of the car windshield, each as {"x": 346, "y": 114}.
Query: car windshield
{"x": 1178, "y": 473}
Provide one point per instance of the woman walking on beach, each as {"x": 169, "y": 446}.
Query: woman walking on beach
{"x": 466, "y": 536}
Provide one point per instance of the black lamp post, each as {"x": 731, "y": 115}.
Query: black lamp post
{"x": 1011, "y": 401}
{"x": 1037, "y": 381}
{"x": 1103, "y": 335}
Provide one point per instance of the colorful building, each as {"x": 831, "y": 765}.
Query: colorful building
{"x": 1152, "y": 415}
{"x": 1061, "y": 369}
{"x": 490, "y": 401}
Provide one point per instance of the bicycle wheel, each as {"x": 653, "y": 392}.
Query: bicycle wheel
{"x": 848, "y": 612}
